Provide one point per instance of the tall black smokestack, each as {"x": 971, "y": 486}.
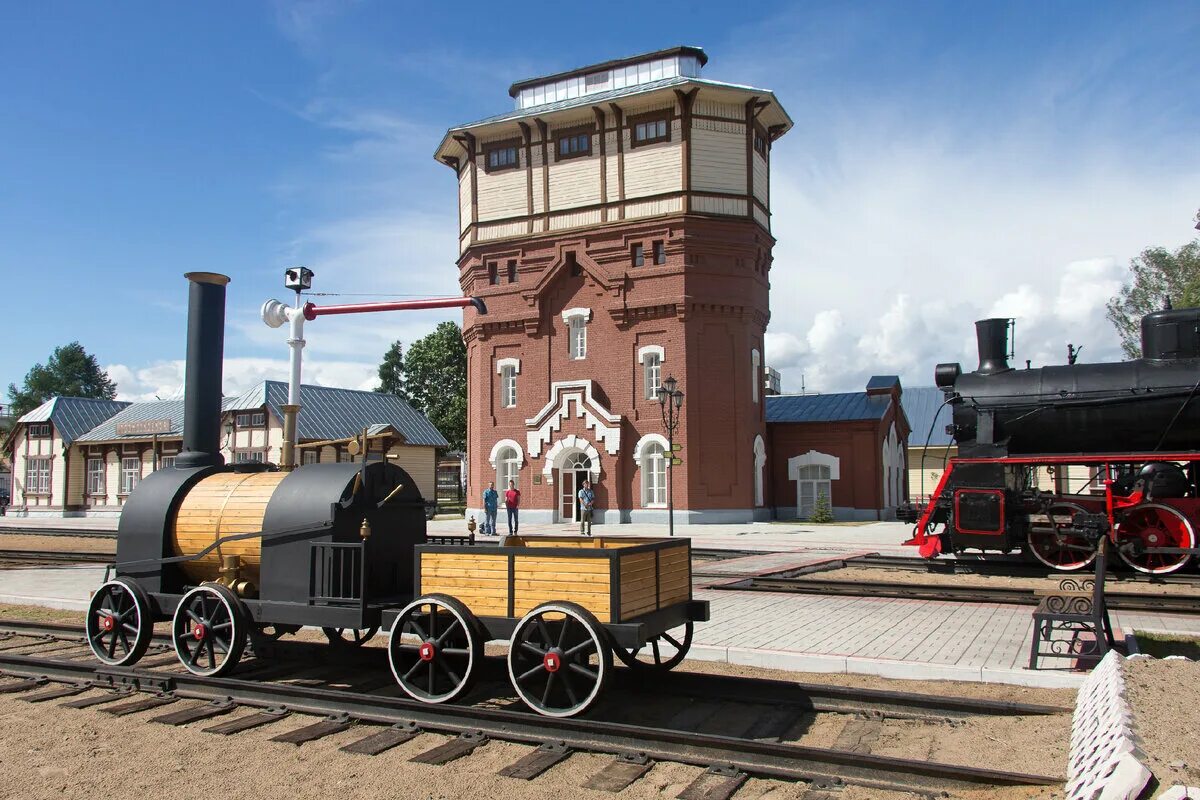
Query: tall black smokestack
{"x": 992, "y": 336}
{"x": 202, "y": 380}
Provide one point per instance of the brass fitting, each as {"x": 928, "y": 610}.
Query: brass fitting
{"x": 471, "y": 524}
{"x": 364, "y": 530}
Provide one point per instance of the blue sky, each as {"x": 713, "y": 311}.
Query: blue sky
{"x": 949, "y": 161}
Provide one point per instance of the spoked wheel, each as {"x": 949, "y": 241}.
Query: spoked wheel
{"x": 559, "y": 659}
{"x": 1154, "y": 525}
{"x": 1057, "y": 548}
{"x": 655, "y": 659}
{"x": 436, "y": 649}
{"x": 209, "y": 630}
{"x": 350, "y": 637}
{"x": 118, "y": 625}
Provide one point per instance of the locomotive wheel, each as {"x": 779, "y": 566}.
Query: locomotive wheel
{"x": 209, "y": 630}
{"x": 440, "y": 658}
{"x": 1061, "y": 551}
{"x": 1154, "y": 525}
{"x": 629, "y": 656}
{"x": 119, "y": 626}
{"x": 350, "y": 637}
{"x": 559, "y": 659}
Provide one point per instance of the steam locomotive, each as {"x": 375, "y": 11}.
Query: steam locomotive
{"x": 1132, "y": 428}
{"x": 242, "y": 554}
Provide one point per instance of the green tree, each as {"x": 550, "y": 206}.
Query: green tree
{"x": 1158, "y": 274}
{"x": 822, "y": 512}
{"x": 70, "y": 372}
{"x": 435, "y": 380}
{"x": 391, "y": 371}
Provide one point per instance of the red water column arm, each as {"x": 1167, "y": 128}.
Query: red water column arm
{"x": 312, "y": 311}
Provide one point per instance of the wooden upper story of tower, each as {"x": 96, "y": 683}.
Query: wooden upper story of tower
{"x": 627, "y": 139}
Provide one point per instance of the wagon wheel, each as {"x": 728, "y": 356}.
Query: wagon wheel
{"x": 1154, "y": 525}
{"x": 559, "y": 659}
{"x": 118, "y": 625}
{"x": 350, "y": 637}
{"x": 661, "y": 662}
{"x": 436, "y": 649}
{"x": 1065, "y": 552}
{"x": 209, "y": 630}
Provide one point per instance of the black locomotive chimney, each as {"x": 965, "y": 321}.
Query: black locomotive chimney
{"x": 202, "y": 380}
{"x": 992, "y": 336}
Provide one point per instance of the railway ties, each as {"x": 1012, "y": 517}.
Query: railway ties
{"x": 727, "y": 754}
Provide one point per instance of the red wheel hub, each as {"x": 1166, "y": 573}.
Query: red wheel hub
{"x": 199, "y": 632}
{"x": 427, "y": 651}
{"x": 552, "y": 661}
{"x": 107, "y": 623}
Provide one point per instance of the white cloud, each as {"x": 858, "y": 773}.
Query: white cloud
{"x": 163, "y": 380}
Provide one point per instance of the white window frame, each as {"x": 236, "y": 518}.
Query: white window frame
{"x": 760, "y": 461}
{"x": 251, "y": 419}
{"x": 96, "y": 477}
{"x": 818, "y": 484}
{"x": 310, "y": 456}
{"x": 508, "y": 369}
{"x": 651, "y": 357}
{"x": 506, "y": 459}
{"x": 813, "y": 458}
{"x": 37, "y": 475}
{"x": 249, "y": 457}
{"x": 131, "y": 473}
{"x": 166, "y": 462}
{"x": 653, "y": 459}
{"x": 577, "y": 320}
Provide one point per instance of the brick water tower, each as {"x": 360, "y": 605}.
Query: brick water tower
{"x": 617, "y": 222}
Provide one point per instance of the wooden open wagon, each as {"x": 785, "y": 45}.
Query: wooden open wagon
{"x": 566, "y": 603}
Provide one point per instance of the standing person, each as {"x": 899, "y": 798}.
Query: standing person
{"x": 512, "y": 501}
{"x": 491, "y": 502}
{"x": 586, "y": 498}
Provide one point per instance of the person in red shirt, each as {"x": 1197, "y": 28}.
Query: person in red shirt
{"x": 512, "y": 501}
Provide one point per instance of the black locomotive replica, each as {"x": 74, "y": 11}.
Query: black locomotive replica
{"x": 1133, "y": 427}
{"x": 241, "y": 554}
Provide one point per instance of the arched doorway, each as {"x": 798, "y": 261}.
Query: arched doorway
{"x": 575, "y": 469}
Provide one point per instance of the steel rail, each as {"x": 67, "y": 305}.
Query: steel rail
{"x": 56, "y": 556}
{"x": 761, "y": 758}
{"x": 1123, "y": 601}
{"x": 83, "y": 533}
{"x": 1011, "y": 568}
{"x": 812, "y": 697}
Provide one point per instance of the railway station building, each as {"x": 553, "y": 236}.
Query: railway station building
{"x": 79, "y": 457}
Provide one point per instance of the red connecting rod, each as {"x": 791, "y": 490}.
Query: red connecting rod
{"x": 312, "y": 311}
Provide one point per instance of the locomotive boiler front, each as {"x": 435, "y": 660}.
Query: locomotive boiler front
{"x": 1080, "y": 408}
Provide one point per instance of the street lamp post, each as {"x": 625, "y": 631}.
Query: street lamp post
{"x": 670, "y": 401}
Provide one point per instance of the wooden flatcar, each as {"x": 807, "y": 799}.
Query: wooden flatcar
{"x": 567, "y": 605}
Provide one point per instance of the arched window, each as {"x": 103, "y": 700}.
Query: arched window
{"x": 577, "y": 320}
{"x": 812, "y": 481}
{"x": 651, "y": 357}
{"x": 654, "y": 475}
{"x": 508, "y": 467}
{"x": 760, "y": 461}
{"x": 578, "y": 461}
{"x": 508, "y": 368}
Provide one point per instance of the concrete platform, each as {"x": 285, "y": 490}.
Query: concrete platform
{"x": 895, "y": 638}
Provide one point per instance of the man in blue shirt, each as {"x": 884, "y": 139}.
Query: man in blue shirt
{"x": 491, "y": 502}
{"x": 586, "y": 498}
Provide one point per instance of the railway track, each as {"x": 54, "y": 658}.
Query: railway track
{"x": 1003, "y": 568}
{"x": 54, "y": 556}
{"x": 48, "y": 662}
{"x": 38, "y": 530}
{"x": 1123, "y": 601}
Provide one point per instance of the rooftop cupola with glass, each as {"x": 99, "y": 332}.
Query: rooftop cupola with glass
{"x": 622, "y": 73}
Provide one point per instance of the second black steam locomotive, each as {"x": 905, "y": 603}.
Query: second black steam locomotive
{"x": 1132, "y": 429}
